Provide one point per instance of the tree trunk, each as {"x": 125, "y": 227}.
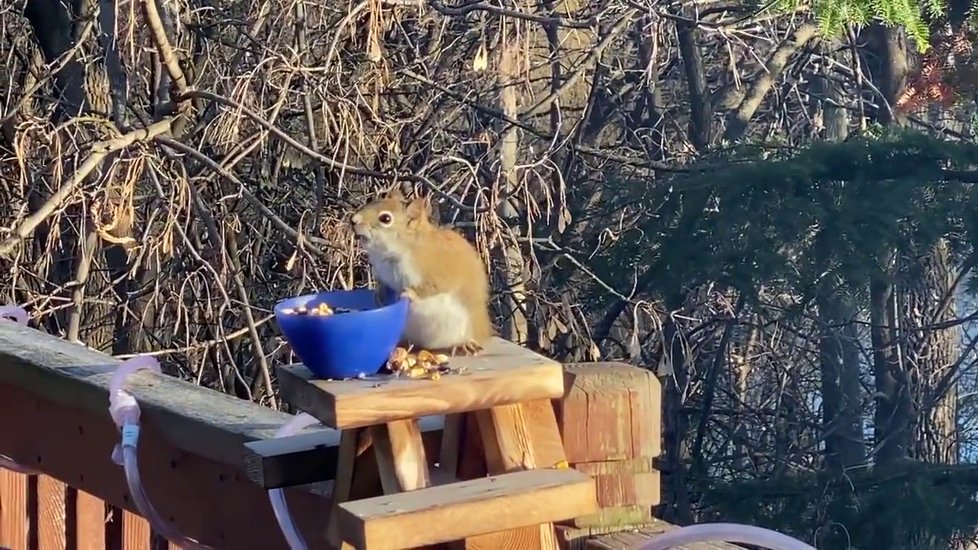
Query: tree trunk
{"x": 894, "y": 409}
{"x": 842, "y": 395}
{"x": 887, "y": 48}
{"x": 915, "y": 415}
{"x": 676, "y": 505}
{"x": 512, "y": 274}
{"x": 930, "y": 354}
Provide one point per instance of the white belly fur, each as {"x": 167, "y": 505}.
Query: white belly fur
{"x": 435, "y": 322}
{"x": 394, "y": 273}
{"x": 438, "y": 321}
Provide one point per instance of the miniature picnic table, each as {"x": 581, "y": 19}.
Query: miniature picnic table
{"x": 505, "y": 391}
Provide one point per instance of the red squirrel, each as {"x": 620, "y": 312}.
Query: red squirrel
{"x": 435, "y": 268}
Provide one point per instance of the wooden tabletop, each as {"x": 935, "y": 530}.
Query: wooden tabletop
{"x": 502, "y": 374}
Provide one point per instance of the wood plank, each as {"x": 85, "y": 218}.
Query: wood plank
{"x": 611, "y": 411}
{"x": 201, "y": 421}
{"x": 520, "y": 437}
{"x": 364, "y": 481}
{"x": 624, "y": 482}
{"x": 440, "y": 514}
{"x": 576, "y": 538}
{"x": 632, "y": 538}
{"x": 14, "y": 522}
{"x": 526, "y": 434}
{"x": 616, "y": 515}
{"x": 203, "y": 499}
{"x": 502, "y": 374}
{"x": 89, "y": 522}
{"x": 345, "y": 470}
{"x": 401, "y": 459}
{"x": 293, "y": 460}
{"x": 472, "y": 461}
{"x": 136, "y": 532}
{"x": 310, "y": 457}
{"x": 51, "y": 514}
{"x": 451, "y": 443}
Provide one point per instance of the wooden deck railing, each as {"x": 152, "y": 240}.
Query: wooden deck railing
{"x": 43, "y": 512}
{"x": 55, "y": 419}
{"x": 202, "y": 477}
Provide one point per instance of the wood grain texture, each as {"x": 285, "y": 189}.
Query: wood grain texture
{"x": 450, "y": 452}
{"x": 610, "y": 411}
{"x": 51, "y": 514}
{"x": 136, "y": 532}
{"x": 610, "y": 419}
{"x": 576, "y": 538}
{"x": 89, "y": 522}
{"x": 621, "y": 516}
{"x": 526, "y": 436}
{"x": 440, "y": 514}
{"x": 14, "y": 521}
{"x": 311, "y": 457}
{"x": 633, "y": 538}
{"x": 201, "y": 421}
{"x": 520, "y": 437}
{"x": 205, "y": 500}
{"x": 401, "y": 459}
{"x": 472, "y": 461}
{"x": 503, "y": 373}
{"x": 345, "y": 469}
{"x": 624, "y": 482}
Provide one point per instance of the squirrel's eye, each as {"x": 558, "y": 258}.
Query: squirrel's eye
{"x": 385, "y": 218}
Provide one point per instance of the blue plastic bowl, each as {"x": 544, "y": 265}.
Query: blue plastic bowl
{"x": 343, "y": 345}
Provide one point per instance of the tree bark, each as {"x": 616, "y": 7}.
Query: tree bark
{"x": 513, "y": 272}
{"x": 887, "y": 48}
{"x": 842, "y": 411}
{"x": 930, "y": 353}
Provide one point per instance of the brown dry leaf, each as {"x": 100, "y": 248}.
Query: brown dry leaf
{"x": 373, "y": 51}
{"x": 594, "y": 352}
{"x": 108, "y": 237}
{"x": 542, "y": 338}
{"x": 563, "y": 219}
{"x": 481, "y": 60}
{"x": 167, "y": 241}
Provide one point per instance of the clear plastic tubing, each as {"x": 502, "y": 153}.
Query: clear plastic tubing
{"x": 125, "y": 413}
{"x": 277, "y": 496}
{"x": 19, "y": 316}
{"x": 725, "y": 532}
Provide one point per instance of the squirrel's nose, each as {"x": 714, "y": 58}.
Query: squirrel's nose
{"x": 355, "y": 219}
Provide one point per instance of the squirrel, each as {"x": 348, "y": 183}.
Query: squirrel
{"x": 435, "y": 268}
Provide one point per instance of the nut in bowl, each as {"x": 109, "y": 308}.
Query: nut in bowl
{"x": 322, "y": 308}
{"x": 342, "y": 334}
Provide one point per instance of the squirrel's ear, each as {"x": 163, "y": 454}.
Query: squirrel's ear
{"x": 417, "y": 208}
{"x": 395, "y": 193}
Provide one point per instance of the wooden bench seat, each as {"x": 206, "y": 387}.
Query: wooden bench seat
{"x": 436, "y": 515}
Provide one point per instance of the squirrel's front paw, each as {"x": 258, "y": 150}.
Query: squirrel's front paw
{"x": 409, "y": 295}
{"x": 469, "y": 348}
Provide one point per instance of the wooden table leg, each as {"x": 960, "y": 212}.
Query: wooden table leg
{"x": 401, "y": 457}
{"x": 520, "y": 437}
{"x": 342, "y": 484}
{"x": 451, "y": 444}
{"x": 356, "y": 477}
{"x": 462, "y": 456}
